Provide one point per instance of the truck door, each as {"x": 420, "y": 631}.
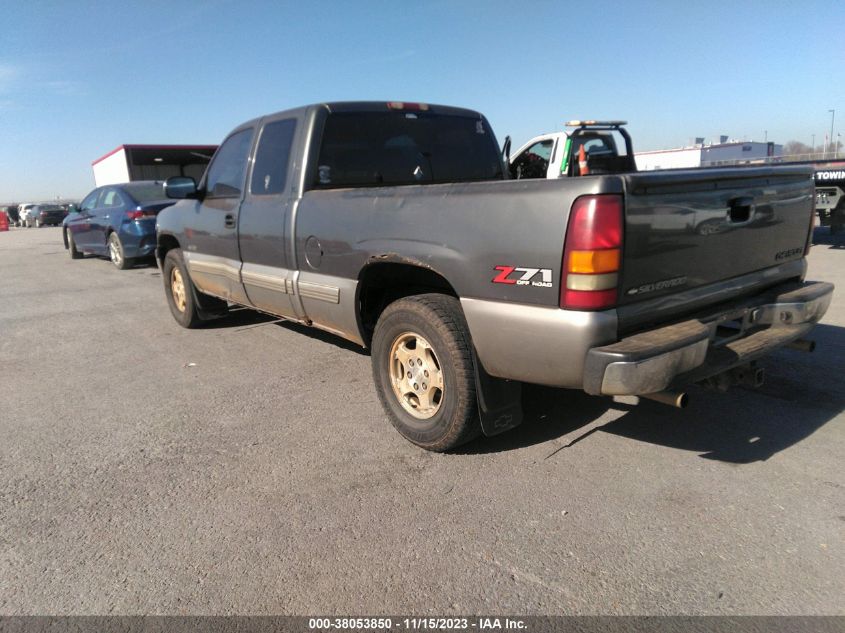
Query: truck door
{"x": 211, "y": 233}
{"x": 264, "y": 218}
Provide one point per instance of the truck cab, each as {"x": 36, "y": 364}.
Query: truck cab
{"x": 592, "y": 147}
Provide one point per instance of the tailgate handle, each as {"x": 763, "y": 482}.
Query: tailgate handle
{"x": 741, "y": 209}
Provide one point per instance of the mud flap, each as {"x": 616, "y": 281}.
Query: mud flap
{"x": 499, "y": 401}
{"x": 209, "y": 308}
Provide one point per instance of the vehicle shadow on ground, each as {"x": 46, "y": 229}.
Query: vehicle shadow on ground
{"x": 140, "y": 264}
{"x": 241, "y": 319}
{"x": 738, "y": 427}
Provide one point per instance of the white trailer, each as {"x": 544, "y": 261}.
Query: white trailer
{"x": 127, "y": 163}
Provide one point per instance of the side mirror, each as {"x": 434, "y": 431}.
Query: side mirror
{"x": 180, "y": 187}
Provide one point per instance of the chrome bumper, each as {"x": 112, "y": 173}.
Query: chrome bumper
{"x": 697, "y": 348}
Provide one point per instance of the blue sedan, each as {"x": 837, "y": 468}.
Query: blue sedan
{"x": 117, "y": 221}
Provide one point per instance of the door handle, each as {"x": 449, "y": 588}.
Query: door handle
{"x": 740, "y": 210}
{"x": 229, "y": 221}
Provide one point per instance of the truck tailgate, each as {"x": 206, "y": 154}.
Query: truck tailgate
{"x": 687, "y": 229}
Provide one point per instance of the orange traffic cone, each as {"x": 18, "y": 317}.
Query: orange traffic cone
{"x": 582, "y": 162}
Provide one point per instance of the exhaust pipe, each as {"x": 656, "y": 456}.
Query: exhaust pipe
{"x": 802, "y": 345}
{"x": 677, "y": 399}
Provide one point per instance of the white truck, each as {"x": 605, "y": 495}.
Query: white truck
{"x": 830, "y": 197}
{"x": 592, "y": 147}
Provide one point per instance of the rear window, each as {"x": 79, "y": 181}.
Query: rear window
{"x": 51, "y": 207}
{"x": 147, "y": 192}
{"x": 405, "y": 148}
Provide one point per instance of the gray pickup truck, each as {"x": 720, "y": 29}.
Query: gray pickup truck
{"x": 394, "y": 225}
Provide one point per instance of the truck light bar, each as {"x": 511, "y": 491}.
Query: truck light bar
{"x": 583, "y": 123}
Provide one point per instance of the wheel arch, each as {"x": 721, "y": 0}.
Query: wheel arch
{"x": 381, "y": 283}
{"x": 165, "y": 242}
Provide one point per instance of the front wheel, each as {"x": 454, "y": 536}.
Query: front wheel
{"x": 71, "y": 246}
{"x": 180, "y": 290}
{"x": 423, "y": 371}
{"x": 117, "y": 254}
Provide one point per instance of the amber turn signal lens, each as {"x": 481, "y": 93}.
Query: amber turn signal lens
{"x": 592, "y": 262}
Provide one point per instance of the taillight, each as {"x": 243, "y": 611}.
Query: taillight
{"x": 809, "y": 241}
{"x": 139, "y": 214}
{"x": 592, "y": 255}
{"x": 405, "y": 105}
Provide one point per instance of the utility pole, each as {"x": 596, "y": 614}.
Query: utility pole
{"x": 832, "y": 114}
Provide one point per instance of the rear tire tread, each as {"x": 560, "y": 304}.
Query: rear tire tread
{"x": 443, "y": 313}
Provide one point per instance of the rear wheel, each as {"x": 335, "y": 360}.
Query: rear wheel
{"x": 180, "y": 290}
{"x": 423, "y": 371}
{"x": 116, "y": 253}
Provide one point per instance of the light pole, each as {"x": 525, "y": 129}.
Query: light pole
{"x": 832, "y": 114}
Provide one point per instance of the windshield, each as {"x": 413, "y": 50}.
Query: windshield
{"x": 404, "y": 148}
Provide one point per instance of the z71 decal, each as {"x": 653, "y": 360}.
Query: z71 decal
{"x": 525, "y": 278}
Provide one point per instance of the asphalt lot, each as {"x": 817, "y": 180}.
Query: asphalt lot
{"x": 248, "y": 468}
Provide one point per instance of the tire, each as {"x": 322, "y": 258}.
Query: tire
{"x": 117, "y": 254}
{"x": 442, "y": 413}
{"x": 180, "y": 290}
{"x": 71, "y": 247}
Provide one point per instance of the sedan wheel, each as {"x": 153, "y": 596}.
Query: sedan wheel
{"x": 116, "y": 253}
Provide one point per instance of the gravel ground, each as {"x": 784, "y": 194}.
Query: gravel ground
{"x": 248, "y": 468}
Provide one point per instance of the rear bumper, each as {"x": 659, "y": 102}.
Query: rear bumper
{"x": 138, "y": 239}
{"x": 697, "y": 348}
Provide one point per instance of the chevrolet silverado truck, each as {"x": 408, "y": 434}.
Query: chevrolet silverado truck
{"x": 395, "y": 226}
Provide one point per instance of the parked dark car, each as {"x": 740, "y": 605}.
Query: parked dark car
{"x": 116, "y": 221}
{"x": 48, "y": 214}
{"x": 12, "y": 213}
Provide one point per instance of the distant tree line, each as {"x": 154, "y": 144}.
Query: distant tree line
{"x": 796, "y": 150}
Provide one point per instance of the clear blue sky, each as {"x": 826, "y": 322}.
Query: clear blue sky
{"x": 77, "y": 79}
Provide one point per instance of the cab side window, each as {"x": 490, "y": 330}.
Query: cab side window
{"x": 534, "y": 161}
{"x": 269, "y": 172}
{"x": 225, "y": 177}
